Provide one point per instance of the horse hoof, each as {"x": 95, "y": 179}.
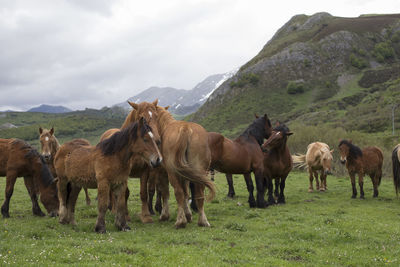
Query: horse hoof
{"x": 164, "y": 218}
{"x": 180, "y": 225}
{"x": 188, "y": 218}
{"x": 100, "y": 229}
{"x": 252, "y": 204}
{"x": 353, "y": 196}
{"x": 204, "y": 224}
{"x": 126, "y": 228}
{"x": 362, "y": 197}
{"x": 262, "y": 205}
{"x": 39, "y": 213}
{"x": 88, "y": 203}
{"x": 194, "y": 207}
{"x": 310, "y": 190}
{"x": 6, "y": 215}
{"x": 158, "y": 208}
{"x": 53, "y": 214}
{"x": 146, "y": 219}
{"x": 231, "y": 195}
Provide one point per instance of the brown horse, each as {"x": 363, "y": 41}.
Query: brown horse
{"x": 18, "y": 159}
{"x": 317, "y": 158}
{"x": 107, "y": 167}
{"x": 396, "y": 168}
{"x": 242, "y": 156}
{"x": 277, "y": 162}
{"x": 49, "y": 146}
{"x": 148, "y": 176}
{"x": 367, "y": 161}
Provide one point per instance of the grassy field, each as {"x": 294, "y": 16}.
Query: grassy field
{"x": 312, "y": 229}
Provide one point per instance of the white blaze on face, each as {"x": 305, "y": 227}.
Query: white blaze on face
{"x": 151, "y": 134}
{"x": 46, "y": 138}
{"x": 154, "y": 142}
{"x": 151, "y": 114}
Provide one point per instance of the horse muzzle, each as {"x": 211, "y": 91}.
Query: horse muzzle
{"x": 155, "y": 162}
{"x": 342, "y": 161}
{"x": 328, "y": 172}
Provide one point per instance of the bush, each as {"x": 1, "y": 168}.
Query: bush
{"x": 295, "y": 88}
{"x": 247, "y": 78}
{"x": 357, "y": 62}
{"x": 383, "y": 51}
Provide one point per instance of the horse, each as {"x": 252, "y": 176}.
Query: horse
{"x": 19, "y": 159}
{"x": 140, "y": 169}
{"x": 318, "y": 158}
{"x": 105, "y": 166}
{"x": 49, "y": 146}
{"x": 277, "y": 162}
{"x": 367, "y": 161}
{"x": 396, "y": 168}
{"x": 242, "y": 156}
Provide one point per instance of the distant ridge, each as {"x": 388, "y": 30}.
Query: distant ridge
{"x": 50, "y": 109}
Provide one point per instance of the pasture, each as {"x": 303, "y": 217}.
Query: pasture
{"x": 312, "y": 229}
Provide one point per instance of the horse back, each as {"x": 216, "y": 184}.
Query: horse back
{"x": 108, "y": 133}
{"x": 4, "y": 154}
{"x": 372, "y": 159}
{"x": 62, "y": 153}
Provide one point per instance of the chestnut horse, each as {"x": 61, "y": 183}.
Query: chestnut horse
{"x": 242, "y": 156}
{"x": 367, "y": 161}
{"x": 140, "y": 168}
{"x": 49, "y": 146}
{"x": 396, "y": 168}
{"x": 107, "y": 167}
{"x": 19, "y": 159}
{"x": 277, "y": 162}
{"x": 317, "y": 158}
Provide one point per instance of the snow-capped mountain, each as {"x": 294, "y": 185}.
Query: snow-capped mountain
{"x": 182, "y": 101}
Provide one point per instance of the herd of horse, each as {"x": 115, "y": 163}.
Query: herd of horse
{"x": 161, "y": 151}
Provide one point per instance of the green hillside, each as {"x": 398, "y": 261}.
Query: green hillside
{"x": 320, "y": 69}
{"x": 89, "y": 124}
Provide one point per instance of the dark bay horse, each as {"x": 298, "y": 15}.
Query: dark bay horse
{"x": 19, "y": 159}
{"x": 317, "y": 158}
{"x": 396, "y": 168}
{"x": 367, "y": 161}
{"x": 277, "y": 162}
{"x": 242, "y": 156}
{"x": 49, "y": 146}
{"x": 105, "y": 166}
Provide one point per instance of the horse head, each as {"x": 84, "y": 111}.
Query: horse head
{"x": 48, "y": 143}
{"x": 344, "y": 150}
{"x": 146, "y": 145}
{"x": 278, "y": 137}
{"x": 326, "y": 160}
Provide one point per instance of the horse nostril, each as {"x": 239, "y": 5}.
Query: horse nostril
{"x": 156, "y": 163}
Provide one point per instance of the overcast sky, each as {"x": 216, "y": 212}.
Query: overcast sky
{"x": 95, "y": 53}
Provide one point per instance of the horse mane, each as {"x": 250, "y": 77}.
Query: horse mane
{"x": 164, "y": 117}
{"x": 32, "y": 153}
{"x": 121, "y": 139}
{"x": 129, "y": 119}
{"x": 256, "y": 129}
{"x": 354, "y": 151}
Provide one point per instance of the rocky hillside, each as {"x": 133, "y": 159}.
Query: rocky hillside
{"x": 181, "y": 101}
{"x": 50, "y": 109}
{"x": 316, "y": 69}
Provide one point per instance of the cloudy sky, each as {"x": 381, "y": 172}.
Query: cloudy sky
{"x": 95, "y": 53}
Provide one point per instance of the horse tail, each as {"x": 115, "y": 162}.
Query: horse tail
{"x": 299, "y": 160}
{"x": 185, "y": 169}
{"x": 396, "y": 169}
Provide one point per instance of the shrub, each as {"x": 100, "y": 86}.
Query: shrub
{"x": 247, "y": 78}
{"x": 295, "y": 88}
{"x": 383, "y": 51}
{"x": 357, "y": 62}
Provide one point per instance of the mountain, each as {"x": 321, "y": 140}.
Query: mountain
{"x": 181, "y": 101}
{"x": 50, "y": 109}
{"x": 319, "y": 69}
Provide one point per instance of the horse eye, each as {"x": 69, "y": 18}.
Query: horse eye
{"x": 158, "y": 142}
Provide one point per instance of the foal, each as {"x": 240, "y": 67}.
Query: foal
{"x": 107, "y": 167}
{"x": 49, "y": 146}
{"x": 367, "y": 161}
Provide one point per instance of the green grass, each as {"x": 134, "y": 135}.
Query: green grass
{"x": 312, "y": 229}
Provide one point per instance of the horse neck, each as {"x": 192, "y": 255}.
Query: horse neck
{"x": 55, "y": 147}
{"x": 129, "y": 119}
{"x": 164, "y": 118}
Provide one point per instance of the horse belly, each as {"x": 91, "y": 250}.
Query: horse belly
{"x": 80, "y": 172}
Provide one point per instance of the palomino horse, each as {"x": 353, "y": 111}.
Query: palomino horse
{"x": 242, "y": 156}
{"x": 140, "y": 169}
{"x": 277, "y": 162}
{"x": 396, "y": 168}
{"x": 367, "y": 161}
{"x": 107, "y": 167}
{"x": 317, "y": 158}
{"x": 49, "y": 146}
{"x": 18, "y": 159}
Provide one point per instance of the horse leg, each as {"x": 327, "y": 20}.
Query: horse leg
{"x": 186, "y": 207}
{"x": 151, "y": 187}
{"x": 316, "y": 180}
{"x": 103, "y": 195}
{"x": 377, "y": 178}
{"x": 323, "y": 179}
{"x": 310, "y": 188}
{"x": 63, "y": 190}
{"x": 260, "y": 184}
{"x": 71, "y": 203}
{"x": 145, "y": 215}
{"x": 231, "y": 192}
{"x": 353, "y": 185}
{"x": 193, "y": 203}
{"x": 277, "y": 185}
{"x": 88, "y": 201}
{"x": 120, "y": 216}
{"x": 163, "y": 193}
{"x": 10, "y": 182}
{"x": 30, "y": 186}
{"x": 250, "y": 189}
{"x": 180, "y": 199}
{"x": 361, "y": 184}
{"x": 158, "y": 206}
{"x": 199, "y": 196}
{"x": 127, "y": 192}
{"x": 281, "y": 199}
{"x": 270, "y": 187}
{"x": 212, "y": 173}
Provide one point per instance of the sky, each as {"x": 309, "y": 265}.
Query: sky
{"x": 96, "y": 53}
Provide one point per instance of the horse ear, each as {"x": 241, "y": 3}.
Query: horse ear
{"x": 289, "y": 133}
{"x": 255, "y": 114}
{"x": 277, "y": 123}
{"x": 166, "y": 108}
{"x": 52, "y": 130}
{"x": 40, "y": 130}
{"x": 155, "y": 102}
{"x": 266, "y": 116}
{"x": 134, "y": 105}
{"x": 332, "y": 151}
{"x": 55, "y": 180}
